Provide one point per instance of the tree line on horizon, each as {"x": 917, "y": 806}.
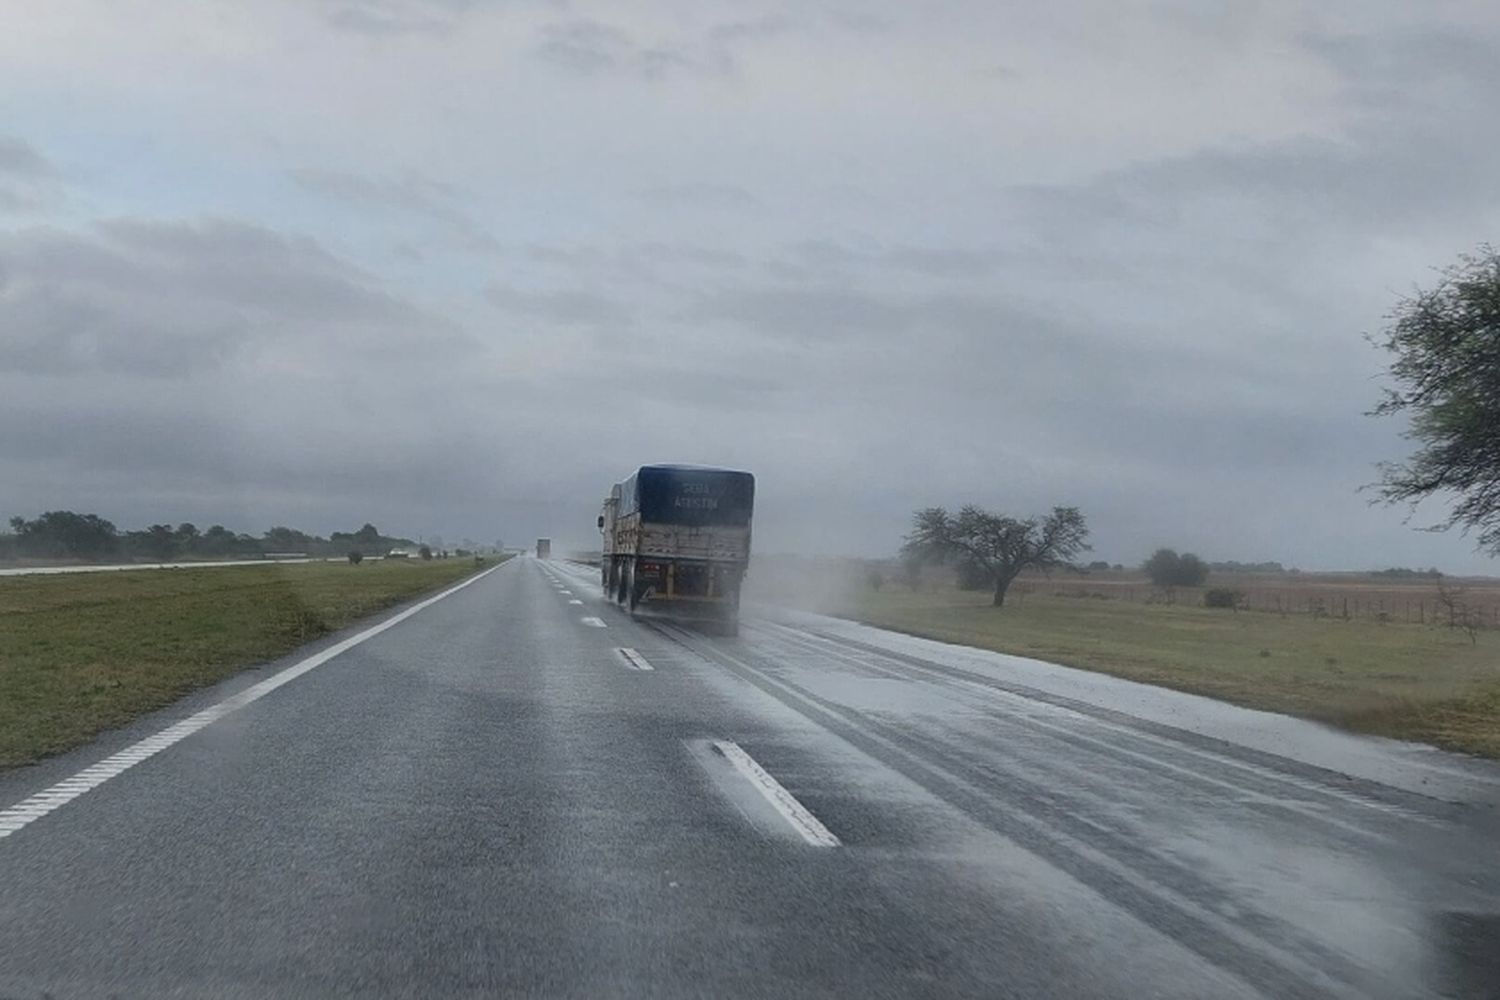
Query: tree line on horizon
{"x": 65, "y": 534}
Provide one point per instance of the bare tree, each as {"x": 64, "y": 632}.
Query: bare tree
{"x": 1002, "y": 545}
{"x": 1461, "y": 614}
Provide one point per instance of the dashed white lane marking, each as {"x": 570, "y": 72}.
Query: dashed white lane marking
{"x": 634, "y": 660}
{"x": 783, "y": 801}
{"x": 575, "y": 601}
{"x": 566, "y": 593}
{"x": 593, "y": 622}
{"x": 31, "y": 809}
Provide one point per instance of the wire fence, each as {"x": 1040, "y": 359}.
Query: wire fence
{"x": 1422, "y": 604}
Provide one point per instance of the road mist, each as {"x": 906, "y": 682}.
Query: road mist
{"x": 825, "y": 584}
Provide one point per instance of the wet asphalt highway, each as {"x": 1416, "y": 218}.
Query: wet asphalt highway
{"x": 490, "y": 798}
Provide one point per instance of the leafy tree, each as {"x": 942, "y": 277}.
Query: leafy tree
{"x": 356, "y": 557}
{"x": 369, "y": 535}
{"x": 159, "y": 541}
{"x": 1168, "y": 569}
{"x": 425, "y": 552}
{"x": 1002, "y": 545}
{"x": 63, "y": 533}
{"x": 969, "y": 574}
{"x": 1446, "y": 343}
{"x": 217, "y": 541}
{"x": 280, "y": 539}
{"x": 1192, "y": 570}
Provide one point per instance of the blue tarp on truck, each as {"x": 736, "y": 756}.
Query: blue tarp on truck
{"x": 689, "y": 495}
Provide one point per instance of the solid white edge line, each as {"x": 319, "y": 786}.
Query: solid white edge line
{"x": 783, "y": 801}
{"x": 56, "y": 796}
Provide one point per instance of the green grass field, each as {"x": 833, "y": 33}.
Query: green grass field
{"x": 81, "y": 653}
{"x": 1409, "y": 681}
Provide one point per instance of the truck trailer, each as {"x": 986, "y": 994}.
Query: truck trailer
{"x": 544, "y": 548}
{"x": 677, "y": 541}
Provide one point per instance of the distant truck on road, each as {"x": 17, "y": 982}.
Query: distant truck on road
{"x": 544, "y": 548}
{"x": 677, "y": 538}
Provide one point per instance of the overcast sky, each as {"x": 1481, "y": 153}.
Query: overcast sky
{"x": 455, "y": 266}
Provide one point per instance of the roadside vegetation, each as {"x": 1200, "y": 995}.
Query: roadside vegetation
{"x": 1434, "y": 681}
{"x": 1400, "y": 652}
{"x": 82, "y": 653}
{"x": 65, "y": 536}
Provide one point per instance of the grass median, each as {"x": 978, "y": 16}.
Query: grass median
{"x": 82, "y": 653}
{"x": 1415, "y": 682}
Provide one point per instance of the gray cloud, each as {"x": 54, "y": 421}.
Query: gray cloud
{"x": 378, "y": 23}
{"x": 568, "y": 307}
{"x": 204, "y": 368}
{"x": 812, "y": 256}
{"x": 17, "y": 159}
{"x": 1309, "y": 185}
{"x": 679, "y": 253}
{"x": 823, "y": 244}
{"x": 590, "y": 47}
{"x": 752, "y": 30}
{"x": 655, "y": 262}
{"x": 863, "y": 21}
{"x": 1384, "y": 72}
{"x": 167, "y": 300}
{"x": 410, "y": 192}
{"x": 803, "y": 314}
{"x": 700, "y": 195}
{"x": 395, "y": 18}
{"x": 716, "y": 49}
{"x": 29, "y": 182}
{"x": 16, "y": 202}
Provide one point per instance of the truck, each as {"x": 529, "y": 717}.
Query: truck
{"x": 677, "y": 542}
{"x": 544, "y": 548}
